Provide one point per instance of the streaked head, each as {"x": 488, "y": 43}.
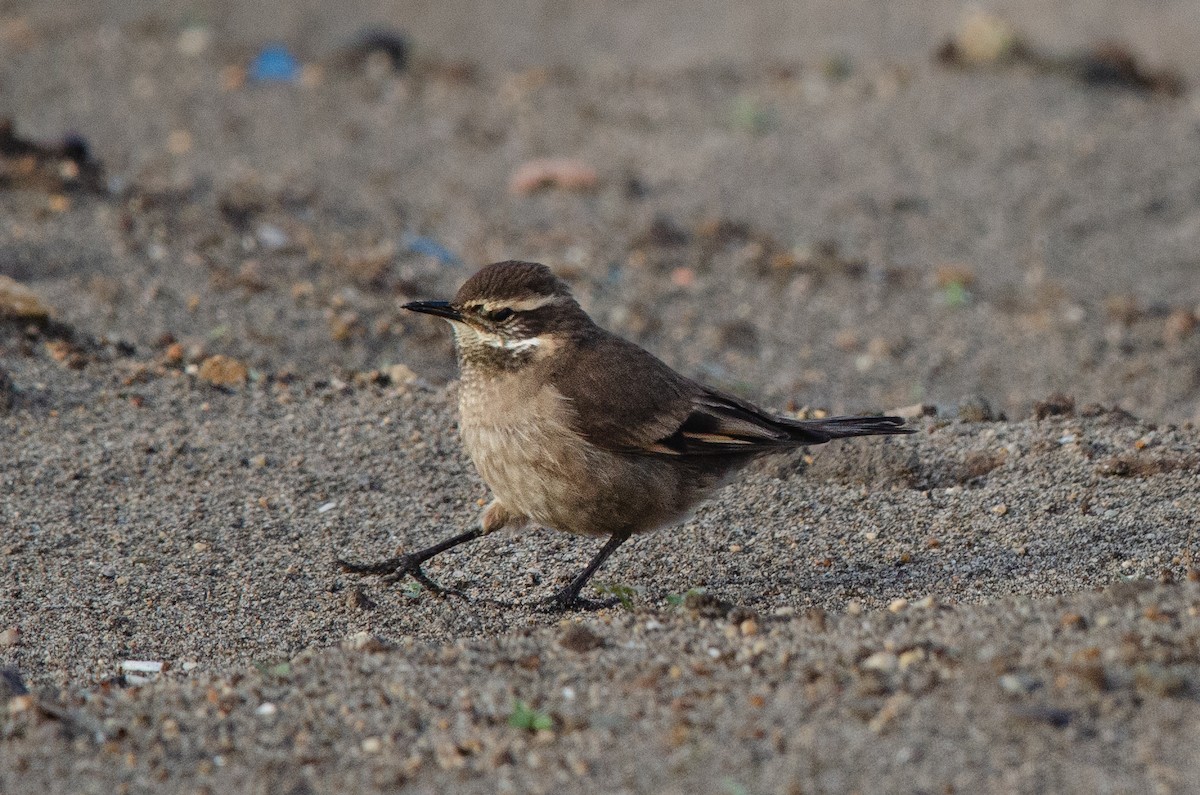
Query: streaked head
{"x": 508, "y": 314}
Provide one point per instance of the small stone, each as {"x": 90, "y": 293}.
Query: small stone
{"x": 1178, "y": 326}
{"x": 400, "y": 374}
{"x": 142, "y": 666}
{"x": 579, "y": 638}
{"x": 193, "y": 40}
{"x": 266, "y": 710}
{"x": 364, "y": 641}
{"x": 910, "y": 658}
{"x": 174, "y": 353}
{"x": 915, "y": 411}
{"x": 18, "y": 301}
{"x": 271, "y": 237}
{"x": 223, "y": 371}
{"x": 897, "y": 605}
{"x": 1056, "y": 405}
{"x": 10, "y": 637}
{"x": 22, "y": 703}
{"x": 683, "y": 276}
{"x": 372, "y": 745}
{"x": 854, "y": 608}
{"x": 1073, "y": 621}
{"x": 1019, "y": 683}
{"x": 748, "y": 627}
{"x": 200, "y": 546}
{"x": 357, "y": 599}
{"x": 999, "y": 510}
{"x": 882, "y": 661}
{"x": 983, "y": 38}
{"x": 975, "y": 408}
{"x": 556, "y": 172}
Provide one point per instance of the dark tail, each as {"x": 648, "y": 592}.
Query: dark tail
{"x": 820, "y": 431}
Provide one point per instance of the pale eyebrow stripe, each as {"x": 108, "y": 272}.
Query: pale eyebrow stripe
{"x": 524, "y": 305}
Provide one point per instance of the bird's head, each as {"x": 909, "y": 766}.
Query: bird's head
{"x": 508, "y": 314}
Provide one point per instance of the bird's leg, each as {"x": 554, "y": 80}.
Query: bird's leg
{"x": 494, "y": 517}
{"x": 569, "y": 599}
{"x": 401, "y": 566}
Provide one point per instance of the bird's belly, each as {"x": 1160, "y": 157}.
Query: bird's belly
{"x": 537, "y": 465}
{"x": 532, "y": 469}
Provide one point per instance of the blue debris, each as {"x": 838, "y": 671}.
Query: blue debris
{"x": 427, "y": 246}
{"x": 275, "y": 63}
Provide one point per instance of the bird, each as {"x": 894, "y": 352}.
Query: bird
{"x": 577, "y": 429}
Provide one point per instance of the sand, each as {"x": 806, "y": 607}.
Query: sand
{"x": 796, "y": 204}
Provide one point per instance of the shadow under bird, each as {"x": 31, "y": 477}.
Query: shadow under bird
{"x": 576, "y": 429}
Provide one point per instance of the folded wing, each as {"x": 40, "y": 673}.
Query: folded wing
{"x": 626, "y": 400}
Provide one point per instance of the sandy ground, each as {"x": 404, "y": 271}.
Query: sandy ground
{"x": 795, "y": 203}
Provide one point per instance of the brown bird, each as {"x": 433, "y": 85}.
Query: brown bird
{"x": 577, "y": 429}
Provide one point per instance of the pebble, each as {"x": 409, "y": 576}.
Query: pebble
{"x": 142, "y": 666}
{"x": 975, "y": 408}
{"x": 193, "y": 40}
{"x": 579, "y": 638}
{"x": 882, "y": 661}
{"x": 1019, "y": 683}
{"x": 271, "y": 237}
{"x": 552, "y": 172}
{"x": 18, "y": 301}
{"x": 365, "y": 641}
{"x": 223, "y": 371}
{"x": 1178, "y": 326}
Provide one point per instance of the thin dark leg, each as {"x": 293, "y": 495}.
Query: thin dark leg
{"x": 568, "y": 598}
{"x": 401, "y": 566}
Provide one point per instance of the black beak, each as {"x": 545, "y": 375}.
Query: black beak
{"x": 439, "y": 308}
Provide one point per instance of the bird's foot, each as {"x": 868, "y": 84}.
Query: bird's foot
{"x": 567, "y": 602}
{"x": 393, "y": 570}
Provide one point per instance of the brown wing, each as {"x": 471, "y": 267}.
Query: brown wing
{"x": 627, "y": 400}
{"x": 624, "y": 399}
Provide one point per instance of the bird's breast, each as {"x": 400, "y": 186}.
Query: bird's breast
{"x": 522, "y": 443}
{"x": 521, "y": 437}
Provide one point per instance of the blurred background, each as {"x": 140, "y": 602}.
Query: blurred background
{"x": 848, "y": 205}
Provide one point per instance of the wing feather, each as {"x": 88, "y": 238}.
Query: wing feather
{"x": 626, "y": 400}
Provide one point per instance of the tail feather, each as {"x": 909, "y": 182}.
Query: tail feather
{"x": 846, "y": 427}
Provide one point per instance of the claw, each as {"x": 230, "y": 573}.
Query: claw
{"x": 566, "y": 602}
{"x": 393, "y": 570}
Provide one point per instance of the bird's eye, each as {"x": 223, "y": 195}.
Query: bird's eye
{"x": 500, "y": 315}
